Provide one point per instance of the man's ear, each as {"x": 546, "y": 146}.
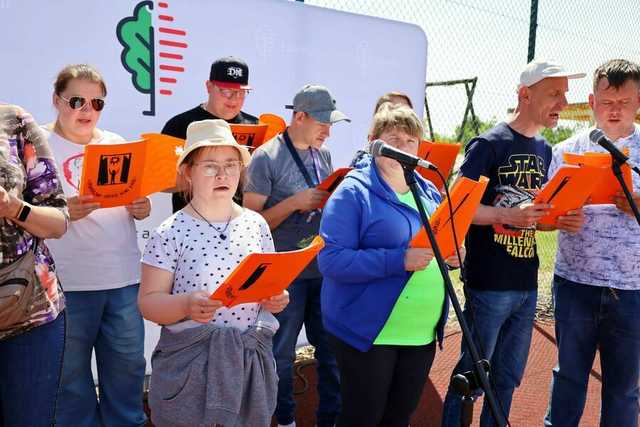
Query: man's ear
{"x": 524, "y": 95}
{"x": 592, "y": 101}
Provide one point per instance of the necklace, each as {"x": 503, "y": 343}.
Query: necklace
{"x": 220, "y": 232}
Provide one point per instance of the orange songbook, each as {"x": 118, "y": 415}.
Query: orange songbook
{"x": 263, "y": 275}
{"x": 443, "y": 155}
{"x": 276, "y": 124}
{"x": 252, "y": 136}
{"x": 569, "y": 189}
{"x": 117, "y": 174}
{"x": 607, "y": 186}
{"x": 465, "y": 198}
{"x": 332, "y": 182}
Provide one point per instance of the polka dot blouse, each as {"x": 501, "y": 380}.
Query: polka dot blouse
{"x": 201, "y": 259}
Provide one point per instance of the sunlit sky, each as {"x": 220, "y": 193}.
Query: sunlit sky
{"x": 488, "y": 39}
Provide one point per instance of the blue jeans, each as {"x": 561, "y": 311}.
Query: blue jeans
{"x": 30, "y": 367}
{"x": 304, "y": 307}
{"x": 590, "y": 318}
{"x": 501, "y": 324}
{"x": 109, "y": 322}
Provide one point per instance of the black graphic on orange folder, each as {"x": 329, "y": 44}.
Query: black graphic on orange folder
{"x": 263, "y": 275}
{"x": 251, "y": 136}
{"x": 569, "y": 189}
{"x": 465, "y": 198}
{"x": 117, "y": 174}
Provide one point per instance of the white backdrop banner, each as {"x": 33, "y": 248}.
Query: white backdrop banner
{"x": 155, "y": 57}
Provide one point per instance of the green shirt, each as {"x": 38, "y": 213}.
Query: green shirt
{"x": 415, "y": 315}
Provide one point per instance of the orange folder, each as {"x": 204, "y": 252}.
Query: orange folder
{"x": 117, "y": 174}
{"x": 608, "y": 185}
{"x": 276, "y": 124}
{"x": 252, "y": 136}
{"x": 440, "y": 154}
{"x": 465, "y": 198}
{"x": 569, "y": 189}
{"x": 263, "y": 275}
{"x": 332, "y": 182}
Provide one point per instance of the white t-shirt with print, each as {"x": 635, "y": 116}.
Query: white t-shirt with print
{"x": 99, "y": 251}
{"x": 200, "y": 259}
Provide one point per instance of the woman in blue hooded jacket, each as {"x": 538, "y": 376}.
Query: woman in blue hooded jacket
{"x": 383, "y": 303}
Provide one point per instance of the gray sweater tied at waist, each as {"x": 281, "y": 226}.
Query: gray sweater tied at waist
{"x": 210, "y": 375}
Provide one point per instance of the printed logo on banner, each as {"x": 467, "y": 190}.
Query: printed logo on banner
{"x": 137, "y": 36}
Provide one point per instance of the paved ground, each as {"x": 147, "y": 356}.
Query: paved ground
{"x": 530, "y": 400}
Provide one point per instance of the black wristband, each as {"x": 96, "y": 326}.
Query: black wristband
{"x": 24, "y": 212}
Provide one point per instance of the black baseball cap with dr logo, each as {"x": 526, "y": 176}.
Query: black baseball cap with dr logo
{"x": 230, "y": 73}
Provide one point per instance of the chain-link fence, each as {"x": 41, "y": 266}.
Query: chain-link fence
{"x": 488, "y": 41}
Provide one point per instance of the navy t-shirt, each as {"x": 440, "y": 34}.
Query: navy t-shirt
{"x": 502, "y": 257}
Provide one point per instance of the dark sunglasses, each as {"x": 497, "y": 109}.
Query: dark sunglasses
{"x": 77, "y": 102}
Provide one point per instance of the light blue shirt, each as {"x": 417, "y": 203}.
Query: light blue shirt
{"x": 606, "y": 252}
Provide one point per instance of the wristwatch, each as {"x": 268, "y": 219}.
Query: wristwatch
{"x": 24, "y": 212}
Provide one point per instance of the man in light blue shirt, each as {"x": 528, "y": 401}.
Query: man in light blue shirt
{"x": 597, "y": 273}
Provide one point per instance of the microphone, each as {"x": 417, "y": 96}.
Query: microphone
{"x": 598, "y": 137}
{"x": 381, "y": 148}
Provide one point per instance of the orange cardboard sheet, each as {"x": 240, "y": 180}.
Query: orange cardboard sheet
{"x": 263, "y": 275}
{"x": 440, "y": 154}
{"x": 252, "y": 136}
{"x": 465, "y": 198}
{"x": 276, "y": 124}
{"x": 332, "y": 182}
{"x": 608, "y": 185}
{"x": 117, "y": 174}
{"x": 569, "y": 189}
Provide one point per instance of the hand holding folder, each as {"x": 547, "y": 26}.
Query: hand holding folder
{"x": 262, "y": 275}
{"x": 332, "y": 182}
{"x": 465, "y": 198}
{"x": 569, "y": 189}
{"x": 117, "y": 174}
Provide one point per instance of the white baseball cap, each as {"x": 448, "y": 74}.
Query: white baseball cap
{"x": 538, "y": 69}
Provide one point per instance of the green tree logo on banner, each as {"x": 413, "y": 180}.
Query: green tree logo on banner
{"x": 135, "y": 34}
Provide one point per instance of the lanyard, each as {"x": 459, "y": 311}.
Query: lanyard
{"x": 298, "y": 160}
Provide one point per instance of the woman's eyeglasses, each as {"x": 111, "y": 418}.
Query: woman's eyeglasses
{"x": 77, "y": 102}
{"x": 211, "y": 168}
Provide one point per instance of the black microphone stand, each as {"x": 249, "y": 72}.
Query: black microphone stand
{"x": 479, "y": 366}
{"x": 617, "y": 172}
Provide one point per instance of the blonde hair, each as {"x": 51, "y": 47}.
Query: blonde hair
{"x": 78, "y": 71}
{"x": 399, "y": 117}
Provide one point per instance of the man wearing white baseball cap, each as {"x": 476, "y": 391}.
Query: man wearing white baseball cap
{"x": 501, "y": 266}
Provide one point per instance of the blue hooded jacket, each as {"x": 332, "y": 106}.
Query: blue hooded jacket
{"x": 367, "y": 231}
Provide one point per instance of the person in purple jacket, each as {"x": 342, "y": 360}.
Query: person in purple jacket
{"x": 383, "y": 303}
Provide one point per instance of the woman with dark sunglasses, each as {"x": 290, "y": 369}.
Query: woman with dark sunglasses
{"x": 98, "y": 266}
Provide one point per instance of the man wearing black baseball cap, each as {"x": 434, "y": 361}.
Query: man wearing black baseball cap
{"x": 281, "y": 185}
{"x": 228, "y": 86}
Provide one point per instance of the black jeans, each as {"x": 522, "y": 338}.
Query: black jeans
{"x": 382, "y": 386}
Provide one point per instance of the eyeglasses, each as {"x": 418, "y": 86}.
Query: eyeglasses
{"x": 233, "y": 93}
{"x": 211, "y": 168}
{"x": 77, "y": 102}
